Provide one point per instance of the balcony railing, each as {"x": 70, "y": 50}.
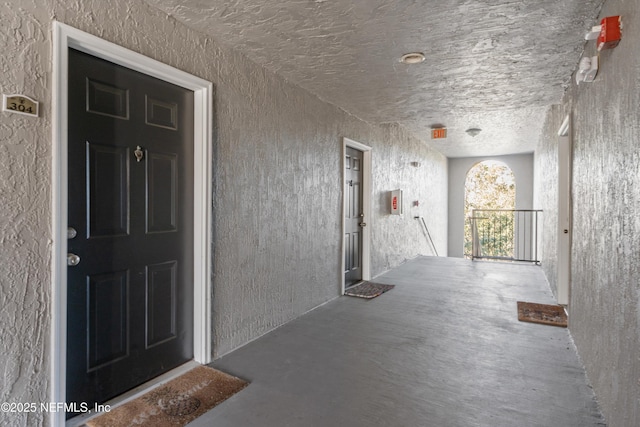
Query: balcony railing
{"x": 505, "y": 234}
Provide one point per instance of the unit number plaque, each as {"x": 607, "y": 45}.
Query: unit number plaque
{"x": 20, "y": 104}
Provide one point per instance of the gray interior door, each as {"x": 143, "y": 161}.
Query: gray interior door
{"x": 354, "y": 216}
{"x": 130, "y": 282}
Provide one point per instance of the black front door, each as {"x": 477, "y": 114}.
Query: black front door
{"x": 130, "y": 279}
{"x": 353, "y": 217}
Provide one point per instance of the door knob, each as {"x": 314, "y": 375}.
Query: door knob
{"x": 566, "y": 231}
{"x": 363, "y": 224}
{"x": 72, "y": 260}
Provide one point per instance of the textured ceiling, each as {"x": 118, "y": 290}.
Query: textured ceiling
{"x": 495, "y": 65}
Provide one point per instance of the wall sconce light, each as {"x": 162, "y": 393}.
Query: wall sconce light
{"x": 473, "y": 131}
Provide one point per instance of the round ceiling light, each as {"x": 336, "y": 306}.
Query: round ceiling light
{"x": 412, "y": 58}
{"x": 473, "y": 131}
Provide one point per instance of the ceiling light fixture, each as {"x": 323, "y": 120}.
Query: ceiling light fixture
{"x": 473, "y": 131}
{"x": 412, "y": 58}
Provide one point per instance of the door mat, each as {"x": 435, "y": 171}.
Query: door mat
{"x": 542, "y": 313}
{"x": 175, "y": 403}
{"x": 368, "y": 290}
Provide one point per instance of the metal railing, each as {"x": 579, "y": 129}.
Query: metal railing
{"x": 427, "y": 234}
{"x": 505, "y": 234}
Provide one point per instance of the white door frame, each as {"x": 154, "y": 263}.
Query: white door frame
{"x": 563, "y": 284}
{"x": 65, "y": 37}
{"x": 366, "y": 208}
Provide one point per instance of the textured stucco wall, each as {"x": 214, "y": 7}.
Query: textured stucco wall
{"x": 25, "y": 212}
{"x": 605, "y": 295}
{"x": 522, "y": 167}
{"x": 396, "y": 238}
{"x": 278, "y": 189}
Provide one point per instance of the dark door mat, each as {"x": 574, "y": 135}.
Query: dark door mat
{"x": 368, "y": 290}
{"x": 175, "y": 403}
{"x": 542, "y": 313}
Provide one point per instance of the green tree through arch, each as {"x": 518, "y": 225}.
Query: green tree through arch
{"x": 489, "y": 185}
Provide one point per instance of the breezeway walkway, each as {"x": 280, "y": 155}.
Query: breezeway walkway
{"x": 444, "y": 348}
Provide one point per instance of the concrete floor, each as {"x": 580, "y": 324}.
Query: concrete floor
{"x": 444, "y": 348}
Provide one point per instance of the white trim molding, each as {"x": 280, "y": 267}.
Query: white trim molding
{"x": 66, "y": 37}
{"x": 564, "y": 127}
{"x": 565, "y": 212}
{"x": 366, "y": 208}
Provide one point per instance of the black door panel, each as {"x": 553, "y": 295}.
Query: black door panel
{"x": 130, "y": 299}
{"x": 353, "y": 217}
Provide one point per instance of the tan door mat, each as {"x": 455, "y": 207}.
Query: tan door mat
{"x": 542, "y": 313}
{"x": 368, "y": 290}
{"x": 175, "y": 403}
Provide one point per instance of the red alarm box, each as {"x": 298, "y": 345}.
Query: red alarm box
{"x": 610, "y": 32}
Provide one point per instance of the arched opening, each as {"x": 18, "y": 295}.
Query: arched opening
{"x": 489, "y": 185}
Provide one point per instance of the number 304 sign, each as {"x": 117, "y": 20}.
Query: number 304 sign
{"x": 20, "y": 104}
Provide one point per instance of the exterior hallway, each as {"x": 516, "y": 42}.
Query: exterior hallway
{"x": 444, "y": 348}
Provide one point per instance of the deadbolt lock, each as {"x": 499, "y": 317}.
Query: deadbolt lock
{"x": 71, "y": 233}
